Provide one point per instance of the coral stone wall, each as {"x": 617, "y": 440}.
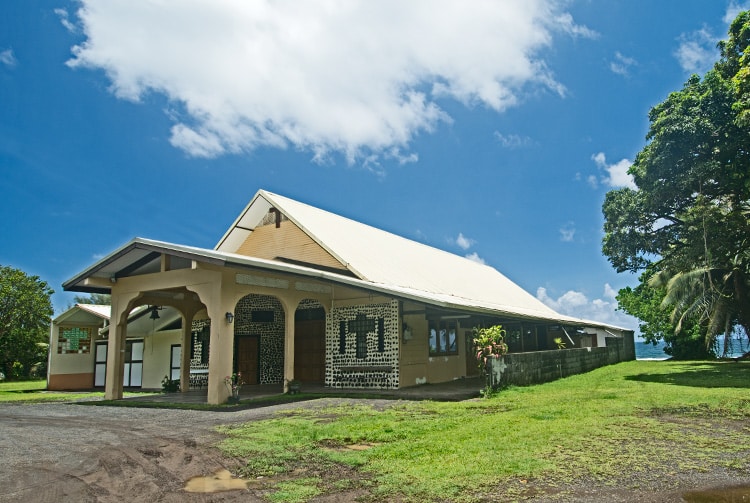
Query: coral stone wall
{"x": 362, "y": 345}
{"x": 271, "y": 334}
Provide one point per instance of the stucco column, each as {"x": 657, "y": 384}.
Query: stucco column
{"x": 289, "y": 310}
{"x": 118, "y": 331}
{"x": 220, "y": 356}
{"x": 218, "y": 299}
{"x": 187, "y": 332}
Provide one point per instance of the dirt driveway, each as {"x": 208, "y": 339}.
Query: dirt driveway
{"x": 76, "y": 453}
{"x": 67, "y": 452}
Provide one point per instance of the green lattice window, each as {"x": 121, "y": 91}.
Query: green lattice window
{"x": 74, "y": 340}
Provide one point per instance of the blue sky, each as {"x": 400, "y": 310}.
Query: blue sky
{"x": 489, "y": 129}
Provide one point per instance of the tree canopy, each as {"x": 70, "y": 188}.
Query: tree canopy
{"x": 102, "y": 299}
{"x": 689, "y": 218}
{"x": 25, "y": 312}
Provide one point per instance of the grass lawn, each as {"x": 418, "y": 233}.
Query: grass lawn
{"x": 36, "y": 392}
{"x": 632, "y": 425}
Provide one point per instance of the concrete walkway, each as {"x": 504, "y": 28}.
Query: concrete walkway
{"x": 459, "y": 389}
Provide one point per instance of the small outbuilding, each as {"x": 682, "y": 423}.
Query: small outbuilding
{"x": 293, "y": 292}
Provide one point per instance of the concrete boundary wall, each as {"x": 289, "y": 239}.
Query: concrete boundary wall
{"x": 543, "y": 366}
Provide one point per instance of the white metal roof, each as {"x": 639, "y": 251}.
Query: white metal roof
{"x": 100, "y": 311}
{"x": 382, "y": 262}
{"x": 378, "y": 256}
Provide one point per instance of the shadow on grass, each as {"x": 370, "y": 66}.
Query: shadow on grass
{"x": 227, "y": 407}
{"x": 701, "y": 375}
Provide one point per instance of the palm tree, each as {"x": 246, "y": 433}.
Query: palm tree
{"x": 711, "y": 296}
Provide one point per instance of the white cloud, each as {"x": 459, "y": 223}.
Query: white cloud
{"x": 65, "y": 20}
{"x": 593, "y": 181}
{"x": 622, "y": 64}
{"x": 8, "y": 58}
{"x": 616, "y": 174}
{"x": 513, "y": 140}
{"x": 358, "y": 78}
{"x": 475, "y": 258}
{"x": 697, "y": 51}
{"x": 577, "y": 304}
{"x": 463, "y": 242}
{"x": 733, "y": 9}
{"x": 567, "y": 232}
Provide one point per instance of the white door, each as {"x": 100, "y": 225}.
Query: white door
{"x": 100, "y": 365}
{"x": 175, "y": 362}
{"x": 133, "y": 371}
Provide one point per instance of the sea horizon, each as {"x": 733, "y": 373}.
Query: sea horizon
{"x": 647, "y": 351}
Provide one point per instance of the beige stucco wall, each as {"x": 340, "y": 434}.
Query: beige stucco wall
{"x": 418, "y": 367}
{"x": 76, "y": 371}
{"x": 70, "y": 371}
{"x": 414, "y": 352}
{"x": 156, "y": 354}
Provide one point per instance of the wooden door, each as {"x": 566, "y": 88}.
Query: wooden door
{"x": 248, "y": 353}
{"x": 310, "y": 351}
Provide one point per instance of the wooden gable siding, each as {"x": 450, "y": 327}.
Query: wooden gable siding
{"x": 286, "y": 242}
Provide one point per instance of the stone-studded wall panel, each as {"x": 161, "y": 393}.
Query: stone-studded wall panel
{"x": 379, "y": 370}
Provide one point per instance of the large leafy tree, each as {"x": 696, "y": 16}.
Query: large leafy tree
{"x": 689, "y": 219}
{"x": 25, "y": 312}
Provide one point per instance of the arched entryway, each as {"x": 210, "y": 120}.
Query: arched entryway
{"x": 259, "y": 339}
{"x": 259, "y": 332}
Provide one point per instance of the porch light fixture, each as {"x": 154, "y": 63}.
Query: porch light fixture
{"x": 407, "y": 332}
{"x": 229, "y": 317}
{"x": 154, "y": 313}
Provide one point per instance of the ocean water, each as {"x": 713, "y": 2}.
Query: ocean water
{"x": 647, "y": 351}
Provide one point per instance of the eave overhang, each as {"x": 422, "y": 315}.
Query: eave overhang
{"x": 143, "y": 255}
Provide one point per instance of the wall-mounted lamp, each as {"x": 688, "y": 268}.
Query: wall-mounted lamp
{"x": 407, "y": 332}
{"x": 229, "y": 317}
{"x": 113, "y": 279}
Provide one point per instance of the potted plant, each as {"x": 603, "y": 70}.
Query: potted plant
{"x": 170, "y": 385}
{"x": 234, "y": 384}
{"x": 294, "y": 386}
{"x": 489, "y": 344}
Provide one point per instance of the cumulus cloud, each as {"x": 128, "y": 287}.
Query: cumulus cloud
{"x": 616, "y": 175}
{"x": 621, "y": 64}
{"x": 733, "y": 9}
{"x": 567, "y": 232}
{"x": 358, "y": 78}
{"x": 474, "y": 257}
{"x": 577, "y": 304}
{"x": 697, "y": 51}
{"x": 513, "y": 140}
{"x": 8, "y": 58}
{"x": 65, "y": 20}
{"x": 463, "y": 242}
